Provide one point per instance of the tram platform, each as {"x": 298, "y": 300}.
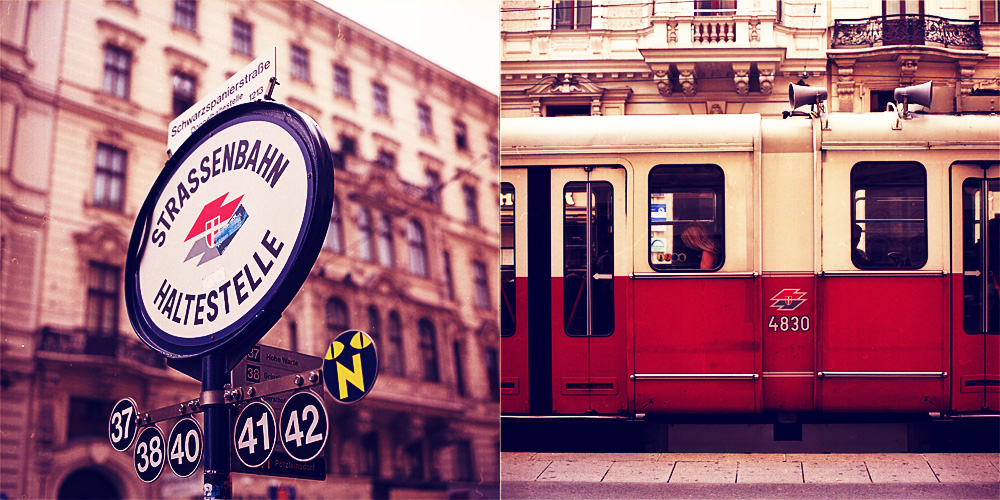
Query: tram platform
{"x": 751, "y": 475}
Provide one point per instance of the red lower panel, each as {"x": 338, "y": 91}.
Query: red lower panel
{"x": 883, "y": 324}
{"x": 514, "y": 356}
{"x": 589, "y": 373}
{"x": 789, "y": 327}
{"x": 698, "y": 327}
{"x": 975, "y": 380}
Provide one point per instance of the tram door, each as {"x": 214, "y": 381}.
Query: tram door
{"x": 588, "y": 290}
{"x": 975, "y": 212}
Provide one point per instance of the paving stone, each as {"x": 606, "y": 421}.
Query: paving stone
{"x": 704, "y": 472}
{"x": 851, "y": 457}
{"x": 914, "y": 471}
{"x": 964, "y": 471}
{"x": 769, "y": 472}
{"x": 721, "y": 457}
{"x": 516, "y": 456}
{"x": 831, "y": 472}
{"x": 575, "y": 471}
{"x": 639, "y": 472}
{"x": 523, "y": 470}
{"x": 598, "y": 457}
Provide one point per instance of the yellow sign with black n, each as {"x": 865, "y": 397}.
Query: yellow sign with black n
{"x": 350, "y": 366}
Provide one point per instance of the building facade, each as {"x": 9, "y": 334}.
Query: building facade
{"x": 572, "y": 57}
{"x": 88, "y": 89}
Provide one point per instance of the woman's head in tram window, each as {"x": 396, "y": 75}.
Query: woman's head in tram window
{"x": 696, "y": 238}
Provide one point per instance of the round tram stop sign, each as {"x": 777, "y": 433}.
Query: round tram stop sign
{"x": 229, "y": 231}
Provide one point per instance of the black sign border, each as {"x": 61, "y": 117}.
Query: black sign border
{"x": 326, "y": 416}
{"x": 236, "y": 430}
{"x": 201, "y": 449}
{"x": 135, "y": 420}
{"x": 246, "y": 331}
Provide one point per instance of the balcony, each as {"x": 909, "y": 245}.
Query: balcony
{"x": 906, "y": 30}
{"x": 110, "y": 348}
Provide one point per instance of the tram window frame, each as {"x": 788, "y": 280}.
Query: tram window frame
{"x": 508, "y": 260}
{"x": 886, "y": 175}
{"x": 601, "y": 256}
{"x": 660, "y": 182}
{"x": 972, "y": 272}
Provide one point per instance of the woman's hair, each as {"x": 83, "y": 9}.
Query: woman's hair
{"x": 695, "y": 236}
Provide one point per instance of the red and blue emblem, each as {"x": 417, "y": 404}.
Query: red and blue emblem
{"x": 788, "y": 299}
{"x": 215, "y": 228}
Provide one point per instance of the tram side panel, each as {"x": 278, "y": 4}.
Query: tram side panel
{"x": 514, "y": 372}
{"x": 788, "y": 276}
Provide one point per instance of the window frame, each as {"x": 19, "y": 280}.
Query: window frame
{"x": 577, "y": 10}
{"x": 471, "y": 198}
{"x": 461, "y": 135}
{"x": 508, "y": 271}
{"x": 854, "y": 220}
{"x": 481, "y": 282}
{"x": 395, "y": 359}
{"x": 337, "y": 305}
{"x": 106, "y": 175}
{"x": 334, "y": 240}
{"x": 101, "y": 296}
{"x": 116, "y": 80}
{"x": 181, "y": 102}
{"x": 380, "y": 100}
{"x": 425, "y": 118}
{"x": 186, "y": 15}
{"x": 427, "y": 341}
{"x": 366, "y": 235}
{"x": 385, "y": 252}
{"x": 299, "y": 63}
{"x": 342, "y": 82}
{"x": 242, "y": 37}
{"x": 719, "y": 192}
{"x": 416, "y": 242}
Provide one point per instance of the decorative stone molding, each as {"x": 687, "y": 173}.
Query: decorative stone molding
{"x": 766, "y": 79}
{"x": 120, "y": 36}
{"x": 966, "y": 70}
{"x": 672, "y": 32}
{"x": 742, "y": 79}
{"x": 662, "y": 79}
{"x": 754, "y": 31}
{"x": 907, "y": 68}
{"x": 542, "y": 45}
{"x": 103, "y": 243}
{"x": 566, "y": 85}
{"x": 687, "y": 80}
{"x": 184, "y": 62}
{"x": 845, "y": 79}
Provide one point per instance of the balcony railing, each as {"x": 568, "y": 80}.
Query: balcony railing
{"x": 906, "y": 30}
{"x": 112, "y": 347}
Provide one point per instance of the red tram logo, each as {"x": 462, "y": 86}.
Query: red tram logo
{"x": 788, "y": 299}
{"x": 218, "y": 222}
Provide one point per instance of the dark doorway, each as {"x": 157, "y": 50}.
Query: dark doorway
{"x": 88, "y": 484}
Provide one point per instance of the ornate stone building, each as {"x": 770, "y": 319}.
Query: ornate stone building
{"x": 88, "y": 88}
{"x": 617, "y": 57}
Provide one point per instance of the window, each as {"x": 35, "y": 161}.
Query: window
{"x": 185, "y": 14}
{"x": 117, "y": 72}
{"x": 571, "y": 14}
{"x": 414, "y": 455}
{"x": 482, "y": 284}
{"x": 507, "y": 287}
{"x": 459, "y": 376}
{"x": 87, "y": 416}
{"x": 366, "y": 240}
{"x": 335, "y": 233}
{"x": 888, "y": 215}
{"x": 341, "y": 81}
{"x": 374, "y": 324}
{"x": 686, "y": 223}
{"x": 896, "y": 7}
{"x": 463, "y": 461}
{"x": 370, "y": 463}
{"x": 494, "y": 148}
{"x": 461, "y": 136}
{"x": 424, "y": 115}
{"x": 109, "y": 177}
{"x": 242, "y": 38}
{"x": 386, "y": 160}
{"x": 394, "y": 359}
{"x": 184, "y": 92}
{"x": 588, "y": 255}
{"x": 383, "y": 243}
{"x": 979, "y": 276}
{"x": 300, "y": 63}
{"x": 715, "y": 7}
{"x": 989, "y": 11}
{"x": 471, "y": 205}
{"x": 102, "y": 299}
{"x": 879, "y": 99}
{"x": 433, "y": 187}
{"x": 449, "y": 279}
{"x": 336, "y": 316}
{"x": 567, "y": 110}
{"x": 348, "y": 145}
{"x": 417, "y": 247}
{"x": 493, "y": 372}
{"x": 428, "y": 350}
{"x": 380, "y": 98}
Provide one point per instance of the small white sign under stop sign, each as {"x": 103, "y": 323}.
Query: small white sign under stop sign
{"x": 247, "y": 85}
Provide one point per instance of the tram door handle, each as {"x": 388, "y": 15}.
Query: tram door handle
{"x": 599, "y": 276}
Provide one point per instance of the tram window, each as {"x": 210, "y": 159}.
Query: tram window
{"x": 686, "y": 223}
{"x": 507, "y": 288}
{"x": 979, "y": 274}
{"x": 888, "y": 215}
{"x": 588, "y": 257}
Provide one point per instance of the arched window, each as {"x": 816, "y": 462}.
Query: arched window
{"x": 365, "y": 238}
{"x": 335, "y": 233}
{"x": 418, "y": 249}
{"x": 428, "y": 350}
{"x": 394, "y": 358}
{"x": 383, "y": 231}
{"x": 336, "y": 315}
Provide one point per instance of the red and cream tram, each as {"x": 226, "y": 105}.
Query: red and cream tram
{"x": 739, "y": 264}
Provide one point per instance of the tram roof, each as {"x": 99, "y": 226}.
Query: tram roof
{"x": 920, "y": 131}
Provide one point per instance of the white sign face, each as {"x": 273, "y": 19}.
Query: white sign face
{"x": 247, "y": 85}
{"x": 223, "y": 229}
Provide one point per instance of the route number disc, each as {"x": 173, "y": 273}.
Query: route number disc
{"x": 149, "y": 455}
{"x": 122, "y": 426}
{"x": 254, "y": 434}
{"x": 350, "y": 366}
{"x": 304, "y": 426}
{"x": 185, "y": 447}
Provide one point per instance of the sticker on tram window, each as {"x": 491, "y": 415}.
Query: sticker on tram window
{"x": 789, "y": 323}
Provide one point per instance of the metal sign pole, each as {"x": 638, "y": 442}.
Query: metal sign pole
{"x": 218, "y": 481}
